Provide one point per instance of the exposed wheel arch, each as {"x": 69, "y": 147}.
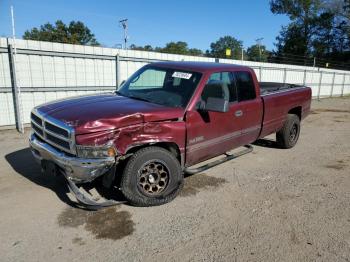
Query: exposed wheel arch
{"x": 296, "y": 111}
{"x": 170, "y": 146}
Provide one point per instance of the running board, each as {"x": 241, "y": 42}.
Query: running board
{"x": 191, "y": 171}
{"x": 86, "y": 200}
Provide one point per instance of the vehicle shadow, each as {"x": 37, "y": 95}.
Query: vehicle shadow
{"x": 265, "y": 142}
{"x": 25, "y": 165}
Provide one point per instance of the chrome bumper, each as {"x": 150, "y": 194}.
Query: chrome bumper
{"x": 76, "y": 169}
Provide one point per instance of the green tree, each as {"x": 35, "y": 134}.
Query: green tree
{"x": 179, "y": 47}
{"x": 318, "y": 28}
{"x": 341, "y": 30}
{"x": 257, "y": 53}
{"x": 175, "y": 48}
{"x": 291, "y": 41}
{"x": 195, "y": 52}
{"x": 74, "y": 33}
{"x": 218, "y": 48}
{"x": 141, "y": 48}
{"x": 325, "y": 39}
{"x": 303, "y": 14}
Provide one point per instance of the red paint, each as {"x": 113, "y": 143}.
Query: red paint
{"x": 97, "y": 113}
{"x": 98, "y": 119}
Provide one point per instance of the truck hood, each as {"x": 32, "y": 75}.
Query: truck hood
{"x": 93, "y": 113}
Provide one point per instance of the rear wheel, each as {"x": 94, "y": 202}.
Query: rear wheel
{"x": 151, "y": 177}
{"x": 288, "y": 136}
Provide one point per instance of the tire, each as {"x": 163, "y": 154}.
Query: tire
{"x": 288, "y": 136}
{"x": 151, "y": 177}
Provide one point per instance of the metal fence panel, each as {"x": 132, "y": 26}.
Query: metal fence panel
{"x": 296, "y": 77}
{"x": 48, "y": 71}
{"x": 326, "y": 85}
{"x": 338, "y": 83}
{"x": 346, "y": 88}
{"x": 7, "y": 113}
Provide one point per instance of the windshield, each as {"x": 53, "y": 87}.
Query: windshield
{"x": 163, "y": 86}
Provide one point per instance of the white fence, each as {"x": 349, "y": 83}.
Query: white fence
{"x": 47, "y": 71}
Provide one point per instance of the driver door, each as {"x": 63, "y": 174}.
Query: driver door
{"x": 209, "y": 133}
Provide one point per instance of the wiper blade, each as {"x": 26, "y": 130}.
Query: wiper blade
{"x": 132, "y": 97}
{"x": 139, "y": 98}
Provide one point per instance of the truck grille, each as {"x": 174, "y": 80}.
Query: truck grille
{"x": 53, "y": 132}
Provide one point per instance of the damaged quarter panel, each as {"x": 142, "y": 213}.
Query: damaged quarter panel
{"x": 132, "y": 136}
{"x": 125, "y": 123}
{"x": 152, "y": 132}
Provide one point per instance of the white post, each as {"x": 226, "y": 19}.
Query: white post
{"x": 260, "y": 73}
{"x": 319, "y": 86}
{"x": 332, "y": 84}
{"x": 304, "y": 79}
{"x": 285, "y": 75}
{"x": 17, "y": 89}
{"x": 117, "y": 68}
{"x": 343, "y": 85}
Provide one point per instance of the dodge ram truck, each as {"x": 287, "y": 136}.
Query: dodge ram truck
{"x": 166, "y": 118}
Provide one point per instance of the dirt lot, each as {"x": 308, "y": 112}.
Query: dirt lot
{"x": 270, "y": 205}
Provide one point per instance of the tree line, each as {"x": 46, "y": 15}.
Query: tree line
{"x": 217, "y": 49}
{"x": 318, "y": 34}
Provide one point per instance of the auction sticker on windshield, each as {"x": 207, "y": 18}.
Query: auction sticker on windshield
{"x": 182, "y": 75}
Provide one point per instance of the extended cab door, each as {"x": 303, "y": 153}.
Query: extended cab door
{"x": 213, "y": 133}
{"x": 250, "y": 106}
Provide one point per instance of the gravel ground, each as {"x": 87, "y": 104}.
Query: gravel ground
{"x": 270, "y": 205}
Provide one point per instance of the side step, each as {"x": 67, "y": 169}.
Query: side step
{"x": 191, "y": 171}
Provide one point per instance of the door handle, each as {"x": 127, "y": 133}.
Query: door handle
{"x": 238, "y": 113}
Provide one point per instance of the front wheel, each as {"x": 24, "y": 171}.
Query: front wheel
{"x": 288, "y": 136}
{"x": 151, "y": 177}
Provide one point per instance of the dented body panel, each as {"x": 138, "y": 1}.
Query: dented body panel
{"x": 133, "y": 136}
{"x": 95, "y": 113}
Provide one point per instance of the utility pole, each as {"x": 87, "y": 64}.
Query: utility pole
{"x": 124, "y": 23}
{"x": 242, "y": 54}
{"x": 258, "y": 42}
{"x": 16, "y": 88}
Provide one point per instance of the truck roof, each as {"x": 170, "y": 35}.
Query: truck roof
{"x": 199, "y": 66}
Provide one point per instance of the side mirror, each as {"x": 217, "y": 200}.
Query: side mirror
{"x": 217, "y": 105}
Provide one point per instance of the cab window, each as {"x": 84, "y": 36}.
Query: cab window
{"x": 245, "y": 86}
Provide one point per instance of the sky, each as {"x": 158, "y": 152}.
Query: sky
{"x": 154, "y": 22}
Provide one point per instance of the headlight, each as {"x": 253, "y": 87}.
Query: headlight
{"x": 96, "y": 151}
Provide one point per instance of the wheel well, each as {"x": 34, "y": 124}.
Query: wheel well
{"x": 296, "y": 111}
{"x": 170, "y": 146}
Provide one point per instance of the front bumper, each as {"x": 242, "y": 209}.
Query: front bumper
{"x": 77, "y": 169}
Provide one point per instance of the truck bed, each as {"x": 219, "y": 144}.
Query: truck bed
{"x": 281, "y": 99}
{"x": 273, "y": 87}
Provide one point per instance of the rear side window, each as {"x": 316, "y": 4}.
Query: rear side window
{"x": 245, "y": 86}
{"x": 226, "y": 79}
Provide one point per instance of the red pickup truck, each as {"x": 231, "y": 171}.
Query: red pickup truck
{"x": 167, "y": 117}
